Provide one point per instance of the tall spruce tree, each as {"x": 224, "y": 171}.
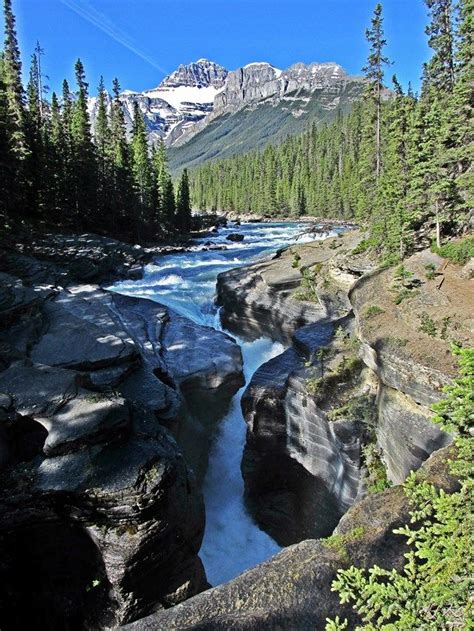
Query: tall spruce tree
{"x": 164, "y": 186}
{"x": 103, "y": 143}
{"x": 15, "y": 119}
{"x": 122, "y": 191}
{"x": 439, "y": 72}
{"x": 83, "y": 152}
{"x": 183, "y": 204}
{"x": 6, "y": 158}
{"x": 141, "y": 170}
{"x": 34, "y": 134}
{"x": 374, "y": 73}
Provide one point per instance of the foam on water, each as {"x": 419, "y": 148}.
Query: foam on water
{"x": 186, "y": 282}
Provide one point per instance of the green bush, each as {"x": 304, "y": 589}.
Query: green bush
{"x": 373, "y": 311}
{"x": 363, "y": 246}
{"x": 456, "y": 251}
{"x": 427, "y": 324}
{"x": 430, "y": 271}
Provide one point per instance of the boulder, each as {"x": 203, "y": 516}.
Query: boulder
{"x": 235, "y": 237}
{"x": 99, "y": 536}
{"x": 76, "y": 336}
{"x": 406, "y": 433}
{"x": 200, "y": 363}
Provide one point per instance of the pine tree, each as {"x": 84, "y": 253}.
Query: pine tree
{"x": 439, "y": 71}
{"x": 122, "y": 191}
{"x": 103, "y": 143}
{"x": 164, "y": 186}
{"x": 54, "y": 164}
{"x": 6, "y": 158}
{"x": 374, "y": 74}
{"x": 83, "y": 152}
{"x": 141, "y": 170}
{"x": 183, "y": 205}
{"x": 34, "y": 135}
{"x": 15, "y": 114}
{"x": 458, "y": 136}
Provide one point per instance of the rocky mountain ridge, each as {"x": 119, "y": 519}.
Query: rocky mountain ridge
{"x": 196, "y": 94}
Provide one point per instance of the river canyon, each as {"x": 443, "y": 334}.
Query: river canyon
{"x": 186, "y": 282}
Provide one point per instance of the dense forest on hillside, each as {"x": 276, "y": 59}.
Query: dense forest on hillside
{"x": 56, "y": 172}
{"x": 400, "y": 164}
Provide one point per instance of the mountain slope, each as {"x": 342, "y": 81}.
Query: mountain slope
{"x": 257, "y": 125}
{"x": 203, "y": 111}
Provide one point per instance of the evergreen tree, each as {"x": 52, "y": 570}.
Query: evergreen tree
{"x": 103, "y": 143}
{"x": 83, "y": 151}
{"x": 374, "y": 74}
{"x": 34, "y": 134}
{"x": 439, "y": 71}
{"x": 141, "y": 170}
{"x": 6, "y": 157}
{"x": 122, "y": 191}
{"x": 183, "y": 204}
{"x": 164, "y": 186}
{"x": 15, "y": 119}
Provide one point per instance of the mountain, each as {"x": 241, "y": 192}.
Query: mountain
{"x": 182, "y": 99}
{"x": 203, "y": 111}
{"x": 261, "y": 104}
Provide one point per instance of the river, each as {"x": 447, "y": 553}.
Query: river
{"x": 186, "y": 282}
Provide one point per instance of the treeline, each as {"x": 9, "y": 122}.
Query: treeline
{"x": 57, "y": 172}
{"x": 399, "y": 162}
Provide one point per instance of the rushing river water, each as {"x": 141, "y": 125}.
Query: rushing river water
{"x": 186, "y": 282}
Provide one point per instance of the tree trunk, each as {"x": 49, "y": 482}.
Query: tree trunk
{"x": 377, "y": 134}
{"x": 438, "y": 226}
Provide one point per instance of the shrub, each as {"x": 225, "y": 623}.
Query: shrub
{"x": 457, "y": 251}
{"x": 373, "y": 311}
{"x": 363, "y": 246}
{"x": 296, "y": 260}
{"x": 427, "y": 325}
{"x": 430, "y": 271}
{"x": 401, "y": 273}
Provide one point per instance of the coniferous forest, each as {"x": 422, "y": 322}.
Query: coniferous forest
{"x": 57, "y": 172}
{"x": 398, "y": 162}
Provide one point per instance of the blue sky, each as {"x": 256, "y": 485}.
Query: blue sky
{"x": 142, "y": 40}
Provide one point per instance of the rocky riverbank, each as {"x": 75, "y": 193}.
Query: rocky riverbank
{"x": 108, "y": 404}
{"x": 347, "y": 406}
{"x": 100, "y": 395}
{"x": 335, "y": 423}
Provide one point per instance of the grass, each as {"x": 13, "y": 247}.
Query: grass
{"x": 428, "y": 326}
{"x": 401, "y": 273}
{"x": 377, "y": 480}
{"x": 430, "y": 271}
{"x": 339, "y": 542}
{"x": 312, "y": 385}
{"x": 456, "y": 251}
{"x": 363, "y": 246}
{"x": 373, "y": 310}
{"x": 359, "y": 408}
{"x": 402, "y": 295}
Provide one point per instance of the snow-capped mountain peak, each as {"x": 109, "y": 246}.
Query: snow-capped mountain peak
{"x": 198, "y": 92}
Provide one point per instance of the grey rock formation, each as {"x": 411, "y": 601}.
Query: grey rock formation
{"x": 405, "y": 432}
{"x": 302, "y": 470}
{"x": 305, "y": 429}
{"x": 262, "y": 299}
{"x": 183, "y": 98}
{"x": 101, "y": 517}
